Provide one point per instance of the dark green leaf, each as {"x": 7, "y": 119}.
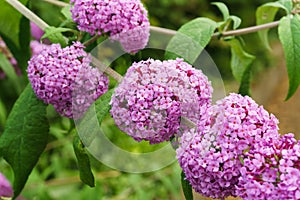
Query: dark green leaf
{"x": 10, "y": 30}
{"x": 191, "y": 39}
{"x": 10, "y": 72}
{"x": 66, "y": 12}
{"x": 240, "y": 60}
{"x": 25, "y": 136}
{"x": 289, "y": 35}
{"x": 186, "y": 187}
{"x": 24, "y": 53}
{"x": 265, "y": 14}
{"x": 83, "y": 162}
{"x": 223, "y": 8}
{"x": 54, "y": 34}
{"x": 3, "y": 115}
{"x": 245, "y": 82}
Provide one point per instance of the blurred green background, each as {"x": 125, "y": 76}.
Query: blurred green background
{"x": 56, "y": 175}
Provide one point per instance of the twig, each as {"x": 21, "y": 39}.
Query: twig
{"x": 237, "y": 32}
{"x": 57, "y": 3}
{"x": 109, "y": 71}
{"x": 163, "y": 30}
{"x": 91, "y": 41}
{"x": 250, "y": 29}
{"x": 28, "y": 13}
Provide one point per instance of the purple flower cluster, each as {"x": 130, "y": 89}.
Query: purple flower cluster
{"x": 64, "y": 78}
{"x": 210, "y": 158}
{"x": 153, "y": 113}
{"x": 123, "y": 20}
{"x": 272, "y": 172}
{"x": 5, "y": 187}
{"x": 37, "y": 47}
{"x": 154, "y": 95}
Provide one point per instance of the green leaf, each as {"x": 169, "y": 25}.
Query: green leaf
{"x": 66, "y": 12}
{"x": 54, "y": 34}
{"x": 191, "y": 39}
{"x": 186, "y": 187}
{"x": 25, "y": 136}
{"x": 83, "y": 162}
{"x": 265, "y": 14}
{"x": 236, "y": 21}
{"x": 240, "y": 59}
{"x": 86, "y": 126}
{"x": 289, "y": 35}
{"x": 244, "y": 88}
{"x": 223, "y": 8}
{"x": 10, "y": 72}
{"x": 227, "y": 18}
{"x": 8, "y": 14}
{"x": 287, "y": 4}
{"x": 24, "y": 53}
{"x": 3, "y": 115}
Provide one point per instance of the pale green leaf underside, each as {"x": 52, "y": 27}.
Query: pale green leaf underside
{"x": 240, "y": 60}
{"x": 191, "y": 39}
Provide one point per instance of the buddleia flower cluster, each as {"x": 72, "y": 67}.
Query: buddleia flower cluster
{"x": 211, "y": 158}
{"x": 272, "y": 171}
{"x": 64, "y": 78}
{"x": 154, "y": 95}
{"x": 125, "y": 21}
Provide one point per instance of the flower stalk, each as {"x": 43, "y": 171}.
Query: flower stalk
{"x": 242, "y": 31}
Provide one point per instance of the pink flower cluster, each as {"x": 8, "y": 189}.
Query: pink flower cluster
{"x": 210, "y": 158}
{"x": 64, "y": 78}
{"x": 123, "y": 20}
{"x": 153, "y": 96}
{"x": 37, "y": 47}
{"x": 154, "y": 113}
{"x": 5, "y": 187}
{"x": 271, "y": 172}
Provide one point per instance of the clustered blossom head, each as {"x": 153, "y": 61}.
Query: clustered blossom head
{"x": 154, "y": 95}
{"x": 210, "y": 158}
{"x": 154, "y": 113}
{"x": 272, "y": 172}
{"x": 123, "y": 20}
{"x": 64, "y": 78}
{"x": 5, "y": 187}
{"x": 37, "y": 47}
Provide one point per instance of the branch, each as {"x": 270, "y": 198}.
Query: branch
{"x": 247, "y": 30}
{"x": 242, "y": 31}
{"x": 91, "y": 41}
{"x": 57, "y": 3}
{"x": 28, "y": 13}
